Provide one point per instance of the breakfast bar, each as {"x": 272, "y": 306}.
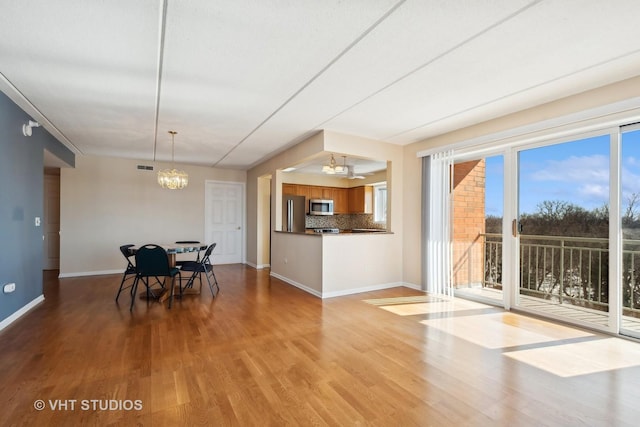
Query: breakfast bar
{"x": 333, "y": 264}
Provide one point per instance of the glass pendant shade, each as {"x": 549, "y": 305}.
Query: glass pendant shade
{"x": 173, "y": 179}
{"x": 332, "y": 168}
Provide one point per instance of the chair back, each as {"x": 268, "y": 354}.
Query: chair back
{"x": 207, "y": 253}
{"x": 152, "y": 260}
{"x": 124, "y": 249}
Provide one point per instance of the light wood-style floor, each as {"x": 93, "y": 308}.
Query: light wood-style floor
{"x": 265, "y": 353}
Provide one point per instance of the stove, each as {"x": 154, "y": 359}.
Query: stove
{"x": 326, "y": 230}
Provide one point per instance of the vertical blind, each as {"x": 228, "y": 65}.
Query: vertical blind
{"x": 437, "y": 172}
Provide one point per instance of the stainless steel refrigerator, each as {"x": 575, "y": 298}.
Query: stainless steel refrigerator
{"x": 293, "y": 213}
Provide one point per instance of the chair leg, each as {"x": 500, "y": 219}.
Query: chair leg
{"x": 133, "y": 292}
{"x": 215, "y": 281}
{"x": 120, "y": 289}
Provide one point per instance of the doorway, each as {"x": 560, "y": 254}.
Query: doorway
{"x": 477, "y": 207}
{"x": 51, "y": 220}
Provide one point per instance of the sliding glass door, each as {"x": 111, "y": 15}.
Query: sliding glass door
{"x": 562, "y": 227}
{"x": 630, "y": 222}
{"x": 477, "y": 208}
{"x": 552, "y": 228}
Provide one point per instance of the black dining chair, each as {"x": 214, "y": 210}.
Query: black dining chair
{"x": 152, "y": 262}
{"x": 129, "y": 271}
{"x": 198, "y": 268}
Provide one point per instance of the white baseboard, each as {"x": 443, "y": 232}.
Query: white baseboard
{"x": 15, "y": 316}
{"x": 258, "y": 266}
{"x": 412, "y": 286}
{"x": 89, "y": 273}
{"x": 344, "y": 291}
{"x": 296, "y": 284}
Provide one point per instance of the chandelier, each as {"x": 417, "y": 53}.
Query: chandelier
{"x": 173, "y": 179}
{"x": 332, "y": 168}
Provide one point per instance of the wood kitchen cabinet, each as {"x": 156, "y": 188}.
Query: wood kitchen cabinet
{"x": 361, "y": 199}
{"x": 316, "y": 192}
{"x": 340, "y": 197}
{"x": 291, "y": 189}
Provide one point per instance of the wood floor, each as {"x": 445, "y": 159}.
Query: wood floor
{"x": 265, "y": 353}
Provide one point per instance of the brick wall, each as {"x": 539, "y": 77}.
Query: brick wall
{"x": 468, "y": 222}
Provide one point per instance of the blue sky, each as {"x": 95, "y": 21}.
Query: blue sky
{"x": 575, "y": 172}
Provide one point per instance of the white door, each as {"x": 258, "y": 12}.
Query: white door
{"x": 51, "y": 223}
{"x": 224, "y": 220}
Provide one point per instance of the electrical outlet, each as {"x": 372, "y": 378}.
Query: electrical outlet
{"x": 37, "y": 221}
{"x": 9, "y": 287}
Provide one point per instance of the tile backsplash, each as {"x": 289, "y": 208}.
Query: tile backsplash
{"x": 343, "y": 222}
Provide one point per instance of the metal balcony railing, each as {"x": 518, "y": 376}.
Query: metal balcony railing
{"x": 573, "y": 270}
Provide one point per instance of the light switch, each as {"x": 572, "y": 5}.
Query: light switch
{"x": 37, "y": 221}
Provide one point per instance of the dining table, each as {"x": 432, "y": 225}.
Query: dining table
{"x": 172, "y": 249}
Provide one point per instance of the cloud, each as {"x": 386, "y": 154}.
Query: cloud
{"x": 576, "y": 169}
{"x": 594, "y": 191}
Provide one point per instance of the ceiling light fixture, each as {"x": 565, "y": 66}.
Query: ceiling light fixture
{"x": 332, "y": 168}
{"x": 173, "y": 179}
{"x": 27, "y": 129}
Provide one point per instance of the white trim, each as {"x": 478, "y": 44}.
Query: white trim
{"x": 413, "y": 286}
{"x": 16, "y": 315}
{"x": 615, "y": 231}
{"x": 615, "y": 114}
{"x": 296, "y": 284}
{"x": 258, "y": 266}
{"x": 89, "y": 273}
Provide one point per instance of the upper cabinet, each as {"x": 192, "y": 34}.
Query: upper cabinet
{"x": 340, "y": 197}
{"x": 290, "y": 189}
{"x": 356, "y": 200}
{"x": 361, "y": 199}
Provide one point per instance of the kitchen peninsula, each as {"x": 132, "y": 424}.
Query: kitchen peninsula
{"x": 333, "y": 264}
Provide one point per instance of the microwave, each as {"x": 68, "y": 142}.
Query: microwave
{"x": 320, "y": 207}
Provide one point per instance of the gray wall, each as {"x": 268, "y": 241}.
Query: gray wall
{"x": 21, "y": 187}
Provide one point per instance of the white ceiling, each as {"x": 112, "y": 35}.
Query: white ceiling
{"x": 241, "y": 80}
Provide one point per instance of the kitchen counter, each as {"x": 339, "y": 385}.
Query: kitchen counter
{"x": 341, "y": 233}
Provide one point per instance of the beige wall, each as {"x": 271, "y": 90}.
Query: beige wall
{"x": 263, "y": 207}
{"x": 346, "y": 270}
{"x": 107, "y": 202}
{"x": 593, "y": 99}
{"x": 297, "y": 259}
{"x": 292, "y": 156}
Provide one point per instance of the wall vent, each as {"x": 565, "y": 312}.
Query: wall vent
{"x": 145, "y": 168}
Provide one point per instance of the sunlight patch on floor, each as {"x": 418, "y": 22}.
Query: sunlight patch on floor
{"x": 581, "y": 358}
{"x": 428, "y": 305}
{"x": 503, "y": 330}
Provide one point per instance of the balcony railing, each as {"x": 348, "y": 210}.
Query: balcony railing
{"x": 573, "y": 270}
